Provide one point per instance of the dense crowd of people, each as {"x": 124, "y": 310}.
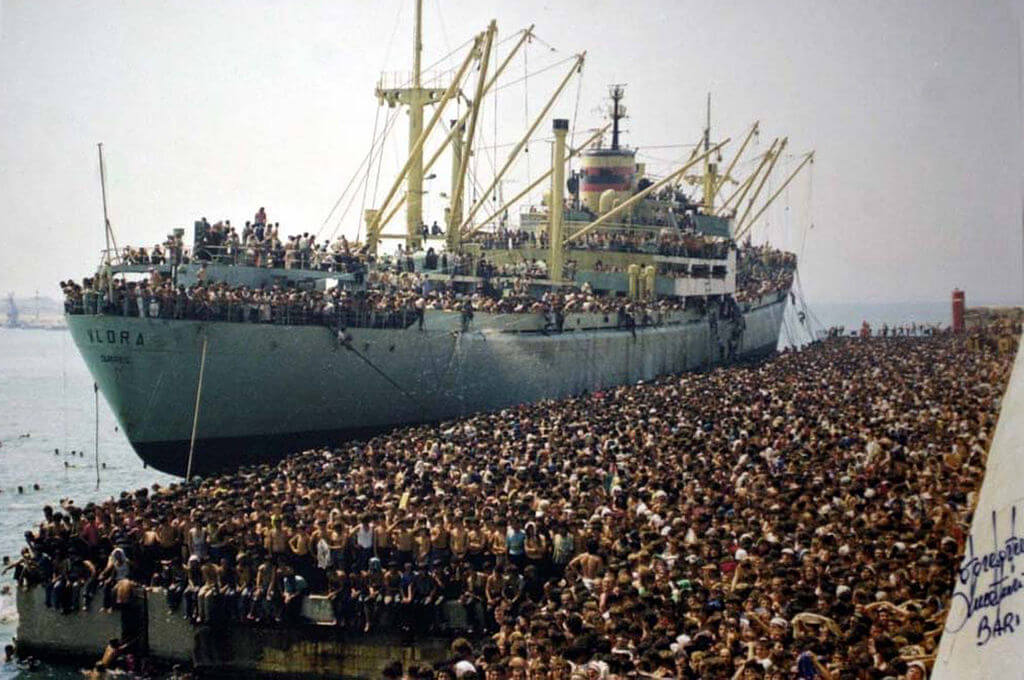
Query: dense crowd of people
{"x": 397, "y": 295}
{"x": 761, "y": 270}
{"x": 669, "y": 242}
{"x": 390, "y": 301}
{"x": 390, "y": 298}
{"x": 260, "y": 244}
{"x": 800, "y": 518}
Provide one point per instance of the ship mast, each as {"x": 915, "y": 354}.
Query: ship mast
{"x": 416, "y": 98}
{"x": 710, "y": 179}
{"x": 108, "y": 230}
{"x": 414, "y": 186}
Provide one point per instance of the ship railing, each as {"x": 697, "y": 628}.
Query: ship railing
{"x": 94, "y": 304}
{"x": 710, "y": 252}
{"x": 250, "y": 256}
{"x": 667, "y": 250}
{"x": 242, "y": 256}
{"x": 110, "y": 257}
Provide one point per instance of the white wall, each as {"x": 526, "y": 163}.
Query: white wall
{"x": 984, "y": 635}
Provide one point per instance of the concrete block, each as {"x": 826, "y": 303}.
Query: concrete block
{"x": 317, "y": 609}
{"x": 46, "y": 631}
{"x": 303, "y": 650}
{"x": 171, "y": 636}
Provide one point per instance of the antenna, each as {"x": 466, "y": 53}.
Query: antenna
{"x": 616, "y": 93}
{"x": 103, "y": 194}
{"x": 710, "y": 167}
{"x": 707, "y": 128}
{"x": 108, "y": 233}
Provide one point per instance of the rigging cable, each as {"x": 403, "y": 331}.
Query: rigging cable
{"x": 368, "y": 158}
{"x": 369, "y": 169}
{"x": 470, "y": 171}
{"x": 394, "y": 32}
{"x": 352, "y": 198}
{"x": 344, "y": 191}
{"x": 494, "y": 157}
{"x": 96, "y": 392}
{"x": 576, "y": 108}
{"x": 533, "y": 74}
{"x": 810, "y": 210}
{"x": 787, "y": 327}
{"x": 803, "y": 300}
{"x": 526, "y": 104}
{"x": 811, "y": 317}
{"x": 383, "y": 136}
{"x": 380, "y": 162}
{"x": 64, "y": 384}
{"x": 347, "y": 344}
{"x": 406, "y": 83}
{"x": 440, "y": 19}
{"x": 545, "y": 43}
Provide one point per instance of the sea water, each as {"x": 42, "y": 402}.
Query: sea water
{"x": 47, "y": 404}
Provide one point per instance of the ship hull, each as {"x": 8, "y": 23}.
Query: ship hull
{"x": 271, "y": 390}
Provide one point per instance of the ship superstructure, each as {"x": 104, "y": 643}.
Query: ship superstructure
{"x": 241, "y": 351}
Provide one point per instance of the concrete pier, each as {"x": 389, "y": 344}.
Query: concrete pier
{"x": 310, "y": 648}
{"x": 47, "y": 633}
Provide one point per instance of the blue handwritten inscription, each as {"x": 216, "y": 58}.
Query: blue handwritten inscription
{"x": 986, "y": 582}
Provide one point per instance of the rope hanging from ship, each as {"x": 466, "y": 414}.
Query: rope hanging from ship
{"x": 345, "y": 340}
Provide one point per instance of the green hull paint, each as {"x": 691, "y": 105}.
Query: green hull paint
{"x": 278, "y": 381}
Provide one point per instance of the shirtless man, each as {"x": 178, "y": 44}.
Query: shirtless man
{"x": 115, "y": 648}
{"x": 168, "y": 539}
{"x": 493, "y": 586}
{"x": 422, "y": 546}
{"x": 210, "y": 588}
{"x": 404, "y": 541}
{"x": 302, "y": 559}
{"x": 244, "y": 584}
{"x": 276, "y": 539}
{"x": 337, "y": 539}
{"x": 589, "y": 565}
{"x": 382, "y": 541}
{"x": 476, "y": 541}
{"x": 299, "y": 544}
{"x": 459, "y": 539}
{"x": 497, "y": 542}
{"x": 439, "y": 542}
{"x": 265, "y": 577}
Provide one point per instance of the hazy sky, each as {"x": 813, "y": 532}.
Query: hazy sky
{"x": 216, "y": 108}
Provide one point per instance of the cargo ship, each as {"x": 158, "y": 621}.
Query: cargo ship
{"x": 236, "y": 352}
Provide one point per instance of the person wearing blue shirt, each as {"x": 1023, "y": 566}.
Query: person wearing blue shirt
{"x": 516, "y": 544}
